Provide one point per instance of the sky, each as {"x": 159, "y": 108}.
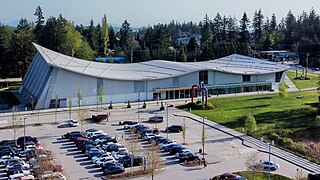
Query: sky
{"x": 149, "y": 12}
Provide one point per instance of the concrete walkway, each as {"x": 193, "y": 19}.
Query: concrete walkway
{"x": 289, "y": 83}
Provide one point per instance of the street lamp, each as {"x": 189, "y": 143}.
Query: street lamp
{"x": 56, "y": 106}
{"x": 203, "y": 136}
{"x": 269, "y": 147}
{"x": 167, "y": 119}
{"x": 138, "y": 108}
{"x": 24, "y": 131}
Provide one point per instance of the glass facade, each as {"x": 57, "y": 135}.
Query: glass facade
{"x": 215, "y": 90}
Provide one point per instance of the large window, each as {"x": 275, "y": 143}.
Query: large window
{"x": 203, "y": 76}
{"x": 246, "y": 78}
{"x": 278, "y": 76}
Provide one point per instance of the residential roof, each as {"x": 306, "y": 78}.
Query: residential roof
{"x": 158, "y": 69}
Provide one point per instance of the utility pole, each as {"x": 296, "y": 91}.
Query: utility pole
{"x": 167, "y": 119}
{"x": 138, "y": 108}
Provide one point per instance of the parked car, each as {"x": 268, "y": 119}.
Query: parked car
{"x": 230, "y": 176}
{"x": 118, "y": 154}
{"x": 21, "y": 139}
{"x": 52, "y": 175}
{"x": 266, "y": 164}
{"x": 73, "y": 123}
{"x": 174, "y": 128}
{"x": 4, "y": 159}
{"x": 113, "y": 169}
{"x": 126, "y": 161}
{"x": 182, "y": 152}
{"x": 170, "y": 146}
{"x": 189, "y": 157}
{"x": 313, "y": 176}
{"x": 96, "y": 158}
{"x": 165, "y": 143}
{"x": 103, "y": 160}
{"x": 176, "y": 149}
{"x": 156, "y": 119}
{"x": 148, "y": 136}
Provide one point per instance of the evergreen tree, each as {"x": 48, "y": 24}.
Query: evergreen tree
{"x": 273, "y": 23}
{"x": 6, "y": 64}
{"x": 257, "y": 27}
{"x": 21, "y": 46}
{"x": 206, "y": 38}
{"x": 92, "y": 36}
{"x": 244, "y": 36}
{"x": 125, "y": 36}
{"x": 289, "y": 33}
{"x": 54, "y": 33}
{"x": 39, "y": 25}
{"x": 105, "y": 35}
{"x": 182, "y": 57}
{"x": 112, "y": 38}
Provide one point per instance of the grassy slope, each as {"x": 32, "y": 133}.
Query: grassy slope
{"x": 269, "y": 110}
{"x": 300, "y": 84}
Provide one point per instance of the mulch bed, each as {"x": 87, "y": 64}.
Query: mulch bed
{"x": 126, "y": 175}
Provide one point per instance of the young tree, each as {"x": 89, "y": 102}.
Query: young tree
{"x": 105, "y": 35}
{"x": 70, "y": 106}
{"x": 283, "y": 92}
{"x": 101, "y": 96}
{"x": 251, "y": 163}
{"x": 203, "y": 139}
{"x": 83, "y": 114}
{"x": 134, "y": 149}
{"x": 14, "y": 125}
{"x": 250, "y": 124}
{"x": 79, "y": 95}
{"x": 153, "y": 160}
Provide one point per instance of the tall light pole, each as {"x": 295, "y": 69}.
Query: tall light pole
{"x": 56, "y": 106}
{"x": 167, "y": 119}
{"x": 24, "y": 131}
{"x": 138, "y": 107}
{"x": 203, "y": 136}
{"x": 269, "y": 150}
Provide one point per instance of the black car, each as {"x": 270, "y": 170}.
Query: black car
{"x": 21, "y": 139}
{"x": 116, "y": 168}
{"x": 11, "y": 143}
{"x": 74, "y": 136}
{"x": 176, "y": 149}
{"x": 189, "y": 157}
{"x": 174, "y": 128}
{"x": 111, "y": 147}
{"x": 129, "y": 123}
{"x": 170, "y": 146}
{"x": 156, "y": 119}
{"x": 126, "y": 161}
{"x": 313, "y": 176}
{"x": 14, "y": 169}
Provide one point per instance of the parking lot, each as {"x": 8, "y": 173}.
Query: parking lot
{"x": 223, "y": 152}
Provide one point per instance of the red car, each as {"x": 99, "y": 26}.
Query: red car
{"x": 230, "y": 176}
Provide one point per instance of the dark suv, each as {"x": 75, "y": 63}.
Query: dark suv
{"x": 174, "y": 128}
{"x": 156, "y": 119}
{"x": 21, "y": 139}
{"x": 126, "y": 161}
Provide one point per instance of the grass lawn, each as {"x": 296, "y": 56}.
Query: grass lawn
{"x": 300, "y": 84}
{"x": 288, "y": 117}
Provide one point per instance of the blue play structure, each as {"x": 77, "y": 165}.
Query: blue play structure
{"x": 120, "y": 60}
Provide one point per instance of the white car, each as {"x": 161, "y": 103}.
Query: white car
{"x": 105, "y": 159}
{"x": 12, "y": 162}
{"x": 96, "y": 158}
{"x": 148, "y": 136}
{"x": 266, "y": 164}
{"x": 183, "y": 151}
{"x": 53, "y": 175}
{"x": 4, "y": 159}
{"x": 21, "y": 176}
{"x": 93, "y": 134}
{"x": 162, "y": 145}
{"x": 73, "y": 123}
{"x": 118, "y": 154}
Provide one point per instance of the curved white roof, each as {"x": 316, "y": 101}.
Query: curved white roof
{"x": 158, "y": 69}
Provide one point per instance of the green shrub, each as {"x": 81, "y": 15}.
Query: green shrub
{"x": 317, "y": 121}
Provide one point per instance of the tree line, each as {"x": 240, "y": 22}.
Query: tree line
{"x": 174, "y": 41}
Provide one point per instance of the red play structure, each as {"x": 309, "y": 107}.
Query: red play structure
{"x": 200, "y": 89}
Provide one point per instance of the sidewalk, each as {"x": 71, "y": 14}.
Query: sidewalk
{"x": 289, "y": 83}
{"x": 256, "y": 144}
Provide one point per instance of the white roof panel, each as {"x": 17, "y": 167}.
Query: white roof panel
{"x": 159, "y": 69}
